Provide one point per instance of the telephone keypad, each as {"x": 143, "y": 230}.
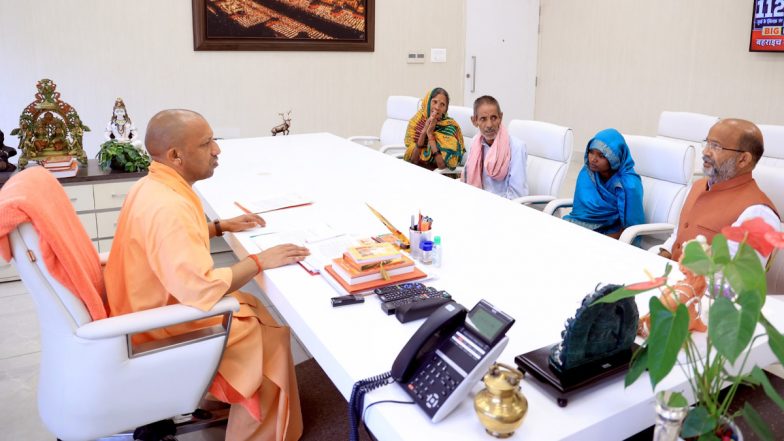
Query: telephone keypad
{"x": 433, "y": 384}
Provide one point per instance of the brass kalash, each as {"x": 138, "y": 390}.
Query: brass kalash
{"x": 501, "y": 407}
{"x": 49, "y": 127}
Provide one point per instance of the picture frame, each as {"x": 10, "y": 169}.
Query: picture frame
{"x": 283, "y": 25}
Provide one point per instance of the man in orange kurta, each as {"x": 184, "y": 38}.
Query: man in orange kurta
{"x": 161, "y": 256}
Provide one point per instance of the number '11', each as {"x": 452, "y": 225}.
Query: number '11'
{"x": 768, "y": 5}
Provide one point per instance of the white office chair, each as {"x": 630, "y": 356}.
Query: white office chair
{"x": 93, "y": 380}
{"x": 773, "y": 137}
{"x": 687, "y": 127}
{"x": 771, "y": 181}
{"x": 549, "y": 148}
{"x": 400, "y": 109}
{"x": 665, "y": 168}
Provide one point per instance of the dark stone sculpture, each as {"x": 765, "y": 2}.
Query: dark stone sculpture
{"x": 595, "y": 332}
{"x": 5, "y": 153}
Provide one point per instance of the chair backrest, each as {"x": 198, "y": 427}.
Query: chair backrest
{"x": 549, "y": 147}
{"x": 686, "y": 126}
{"x": 771, "y": 181}
{"x": 462, "y": 115}
{"x": 773, "y": 137}
{"x": 400, "y": 109}
{"x": 665, "y": 167}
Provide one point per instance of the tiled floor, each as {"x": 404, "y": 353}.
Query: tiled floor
{"x": 20, "y": 355}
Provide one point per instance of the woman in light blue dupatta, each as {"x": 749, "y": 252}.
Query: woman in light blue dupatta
{"x": 608, "y": 195}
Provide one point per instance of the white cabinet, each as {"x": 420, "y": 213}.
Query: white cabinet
{"x": 99, "y": 215}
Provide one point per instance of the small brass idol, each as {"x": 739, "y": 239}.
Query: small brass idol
{"x": 501, "y": 407}
{"x": 49, "y": 127}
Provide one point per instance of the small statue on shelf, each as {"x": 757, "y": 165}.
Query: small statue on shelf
{"x": 5, "y": 153}
{"x": 122, "y": 150}
{"x": 283, "y": 128}
{"x": 120, "y": 128}
{"x": 49, "y": 127}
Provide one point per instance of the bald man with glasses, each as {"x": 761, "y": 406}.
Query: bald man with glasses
{"x": 727, "y": 195}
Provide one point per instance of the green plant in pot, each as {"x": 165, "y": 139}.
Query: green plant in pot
{"x": 735, "y": 295}
{"x": 122, "y": 156}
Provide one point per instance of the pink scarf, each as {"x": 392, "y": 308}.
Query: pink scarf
{"x": 497, "y": 160}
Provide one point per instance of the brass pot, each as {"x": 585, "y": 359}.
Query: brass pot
{"x": 501, "y": 407}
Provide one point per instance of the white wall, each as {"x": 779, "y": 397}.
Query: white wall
{"x": 142, "y": 51}
{"x": 619, "y": 63}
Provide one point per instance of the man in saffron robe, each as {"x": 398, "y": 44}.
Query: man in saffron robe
{"x": 161, "y": 256}
{"x": 728, "y": 194}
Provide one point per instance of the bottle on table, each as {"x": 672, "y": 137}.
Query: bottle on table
{"x": 426, "y": 254}
{"x": 437, "y": 251}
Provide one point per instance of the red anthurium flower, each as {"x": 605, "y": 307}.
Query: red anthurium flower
{"x": 644, "y": 286}
{"x": 775, "y": 238}
{"x": 753, "y": 231}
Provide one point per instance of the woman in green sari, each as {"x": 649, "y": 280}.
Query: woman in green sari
{"x": 433, "y": 139}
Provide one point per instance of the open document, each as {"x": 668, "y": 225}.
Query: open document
{"x": 324, "y": 242}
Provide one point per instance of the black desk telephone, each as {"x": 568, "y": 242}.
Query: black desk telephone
{"x": 443, "y": 360}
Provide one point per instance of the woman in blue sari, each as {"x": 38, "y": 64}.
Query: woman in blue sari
{"x": 608, "y": 195}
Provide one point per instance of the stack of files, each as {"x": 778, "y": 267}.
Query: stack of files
{"x": 366, "y": 267}
{"x": 61, "y": 166}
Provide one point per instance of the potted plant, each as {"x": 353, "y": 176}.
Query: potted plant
{"x": 122, "y": 156}
{"x": 735, "y": 294}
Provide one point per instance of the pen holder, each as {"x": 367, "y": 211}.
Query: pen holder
{"x": 414, "y": 237}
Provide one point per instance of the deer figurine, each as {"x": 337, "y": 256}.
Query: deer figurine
{"x": 283, "y": 128}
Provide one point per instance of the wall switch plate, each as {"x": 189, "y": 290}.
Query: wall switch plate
{"x": 437, "y": 55}
{"x": 415, "y": 58}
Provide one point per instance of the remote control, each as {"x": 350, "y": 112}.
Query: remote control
{"x": 419, "y": 310}
{"x": 401, "y": 291}
{"x": 390, "y": 307}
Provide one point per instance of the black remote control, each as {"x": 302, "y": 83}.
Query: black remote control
{"x": 401, "y": 291}
{"x": 390, "y": 307}
{"x": 419, "y": 310}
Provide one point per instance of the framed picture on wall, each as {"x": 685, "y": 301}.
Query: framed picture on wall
{"x": 283, "y": 25}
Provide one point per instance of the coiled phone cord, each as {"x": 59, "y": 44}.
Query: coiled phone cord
{"x": 357, "y": 401}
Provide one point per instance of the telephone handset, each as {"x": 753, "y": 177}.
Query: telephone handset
{"x": 441, "y": 324}
{"x": 448, "y": 355}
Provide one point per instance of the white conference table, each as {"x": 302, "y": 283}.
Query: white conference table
{"x": 532, "y": 266}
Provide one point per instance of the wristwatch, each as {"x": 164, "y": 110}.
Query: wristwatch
{"x": 218, "y": 229}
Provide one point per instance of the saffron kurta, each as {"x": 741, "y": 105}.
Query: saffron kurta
{"x": 161, "y": 256}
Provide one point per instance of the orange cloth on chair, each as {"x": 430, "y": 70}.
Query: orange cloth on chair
{"x": 161, "y": 256}
{"x": 35, "y": 196}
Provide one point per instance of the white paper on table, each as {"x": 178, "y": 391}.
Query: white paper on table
{"x": 323, "y": 242}
{"x": 274, "y": 203}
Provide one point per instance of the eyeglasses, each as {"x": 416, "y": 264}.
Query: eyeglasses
{"x": 715, "y": 147}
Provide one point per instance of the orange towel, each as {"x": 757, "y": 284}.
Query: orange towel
{"x": 34, "y": 195}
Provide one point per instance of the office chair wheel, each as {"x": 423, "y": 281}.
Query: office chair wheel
{"x": 562, "y": 402}
{"x": 202, "y": 414}
{"x": 163, "y": 430}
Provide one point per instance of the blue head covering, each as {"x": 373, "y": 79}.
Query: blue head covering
{"x": 612, "y": 205}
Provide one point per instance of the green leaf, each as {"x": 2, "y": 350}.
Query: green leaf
{"x": 698, "y": 422}
{"x": 667, "y": 269}
{"x": 756, "y": 423}
{"x": 677, "y": 400}
{"x": 696, "y": 259}
{"x": 731, "y": 330}
{"x": 775, "y": 339}
{"x": 745, "y": 272}
{"x": 668, "y": 333}
{"x": 719, "y": 250}
{"x": 637, "y": 366}
{"x": 619, "y": 294}
{"x": 770, "y": 391}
